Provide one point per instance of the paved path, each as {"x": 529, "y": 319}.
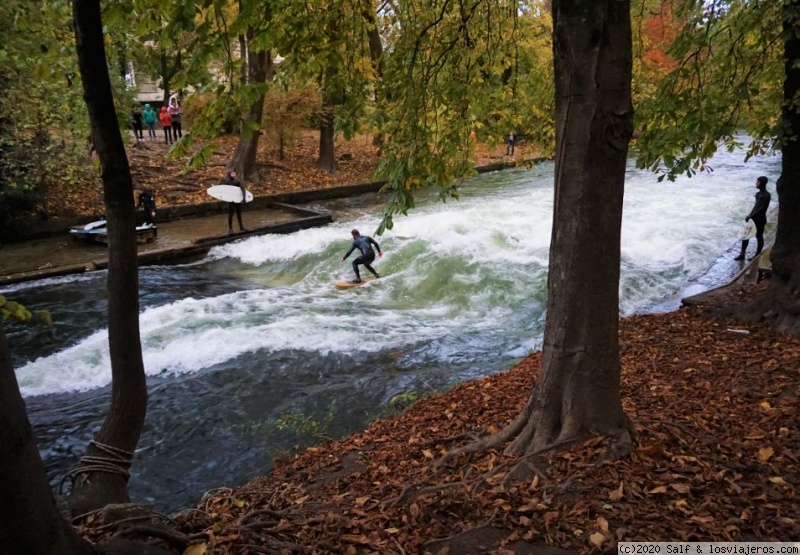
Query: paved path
{"x": 62, "y": 255}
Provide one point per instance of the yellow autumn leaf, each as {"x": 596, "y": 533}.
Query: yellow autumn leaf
{"x": 681, "y": 503}
{"x": 196, "y": 549}
{"x": 428, "y": 454}
{"x": 765, "y": 453}
{"x": 392, "y": 530}
{"x": 597, "y": 539}
{"x": 777, "y": 480}
{"x": 602, "y": 524}
{"x": 765, "y": 405}
{"x": 238, "y": 502}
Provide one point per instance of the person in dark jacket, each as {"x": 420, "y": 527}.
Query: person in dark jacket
{"x": 235, "y": 206}
{"x": 511, "y": 140}
{"x": 759, "y": 216}
{"x": 136, "y": 122}
{"x": 364, "y": 245}
{"x": 147, "y": 201}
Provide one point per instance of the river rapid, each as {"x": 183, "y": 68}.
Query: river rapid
{"x": 252, "y": 352}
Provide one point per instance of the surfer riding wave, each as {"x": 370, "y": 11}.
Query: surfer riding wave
{"x": 364, "y": 244}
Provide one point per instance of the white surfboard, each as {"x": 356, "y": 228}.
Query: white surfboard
{"x": 748, "y": 230}
{"x": 229, "y": 193}
{"x": 95, "y": 225}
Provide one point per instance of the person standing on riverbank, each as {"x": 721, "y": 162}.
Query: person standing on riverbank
{"x": 175, "y": 111}
{"x": 235, "y": 206}
{"x": 166, "y": 124}
{"x": 759, "y": 216}
{"x": 149, "y": 117}
{"x": 364, "y": 245}
{"x": 510, "y": 142}
{"x": 147, "y": 202}
{"x": 136, "y": 122}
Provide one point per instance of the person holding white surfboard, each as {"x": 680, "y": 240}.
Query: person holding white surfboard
{"x": 759, "y": 217}
{"x": 364, "y": 244}
{"x": 235, "y": 206}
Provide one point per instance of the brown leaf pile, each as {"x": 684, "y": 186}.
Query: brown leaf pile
{"x": 715, "y": 408}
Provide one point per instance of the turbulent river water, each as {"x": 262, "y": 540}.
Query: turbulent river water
{"x": 251, "y": 351}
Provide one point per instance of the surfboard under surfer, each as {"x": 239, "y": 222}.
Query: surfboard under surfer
{"x": 364, "y": 244}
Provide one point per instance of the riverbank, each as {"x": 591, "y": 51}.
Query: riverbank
{"x": 714, "y": 407}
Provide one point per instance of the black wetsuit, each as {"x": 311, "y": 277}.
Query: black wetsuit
{"x": 235, "y": 206}
{"x": 364, "y": 245}
{"x": 148, "y": 202}
{"x": 759, "y": 216}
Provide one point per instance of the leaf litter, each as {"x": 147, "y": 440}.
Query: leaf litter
{"x": 715, "y": 459}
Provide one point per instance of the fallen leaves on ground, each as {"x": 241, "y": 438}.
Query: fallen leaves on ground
{"x": 711, "y": 462}
{"x": 176, "y": 184}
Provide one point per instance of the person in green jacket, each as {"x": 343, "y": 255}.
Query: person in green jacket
{"x": 150, "y": 118}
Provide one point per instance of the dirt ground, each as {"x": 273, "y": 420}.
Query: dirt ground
{"x": 176, "y": 184}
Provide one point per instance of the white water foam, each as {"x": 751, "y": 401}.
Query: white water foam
{"x": 464, "y": 268}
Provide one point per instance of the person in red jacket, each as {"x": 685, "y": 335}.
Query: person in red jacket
{"x": 166, "y": 124}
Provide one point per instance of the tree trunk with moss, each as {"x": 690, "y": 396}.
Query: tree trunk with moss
{"x": 31, "y": 521}
{"x": 102, "y": 475}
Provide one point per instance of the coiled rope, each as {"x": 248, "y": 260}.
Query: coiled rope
{"x": 114, "y": 461}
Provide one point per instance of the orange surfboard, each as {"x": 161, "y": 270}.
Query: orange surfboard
{"x": 344, "y": 284}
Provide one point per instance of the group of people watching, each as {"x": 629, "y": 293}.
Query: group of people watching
{"x": 169, "y": 117}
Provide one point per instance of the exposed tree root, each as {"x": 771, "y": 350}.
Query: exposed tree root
{"x": 778, "y": 306}
{"x": 414, "y": 490}
{"x": 474, "y": 435}
{"x": 493, "y": 441}
{"x": 173, "y": 537}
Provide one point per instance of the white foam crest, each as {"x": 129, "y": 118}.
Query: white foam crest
{"x": 271, "y": 248}
{"x": 190, "y": 335}
{"x": 486, "y": 230}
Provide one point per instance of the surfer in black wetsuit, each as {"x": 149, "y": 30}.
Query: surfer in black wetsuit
{"x": 759, "y": 216}
{"x": 147, "y": 201}
{"x": 364, "y": 244}
{"x": 235, "y": 206}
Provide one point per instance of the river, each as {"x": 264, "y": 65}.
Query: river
{"x": 252, "y": 352}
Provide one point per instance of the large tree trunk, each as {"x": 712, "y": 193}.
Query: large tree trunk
{"x": 31, "y": 521}
{"x": 578, "y": 390}
{"x": 102, "y": 475}
{"x": 259, "y": 71}
{"x": 781, "y": 304}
